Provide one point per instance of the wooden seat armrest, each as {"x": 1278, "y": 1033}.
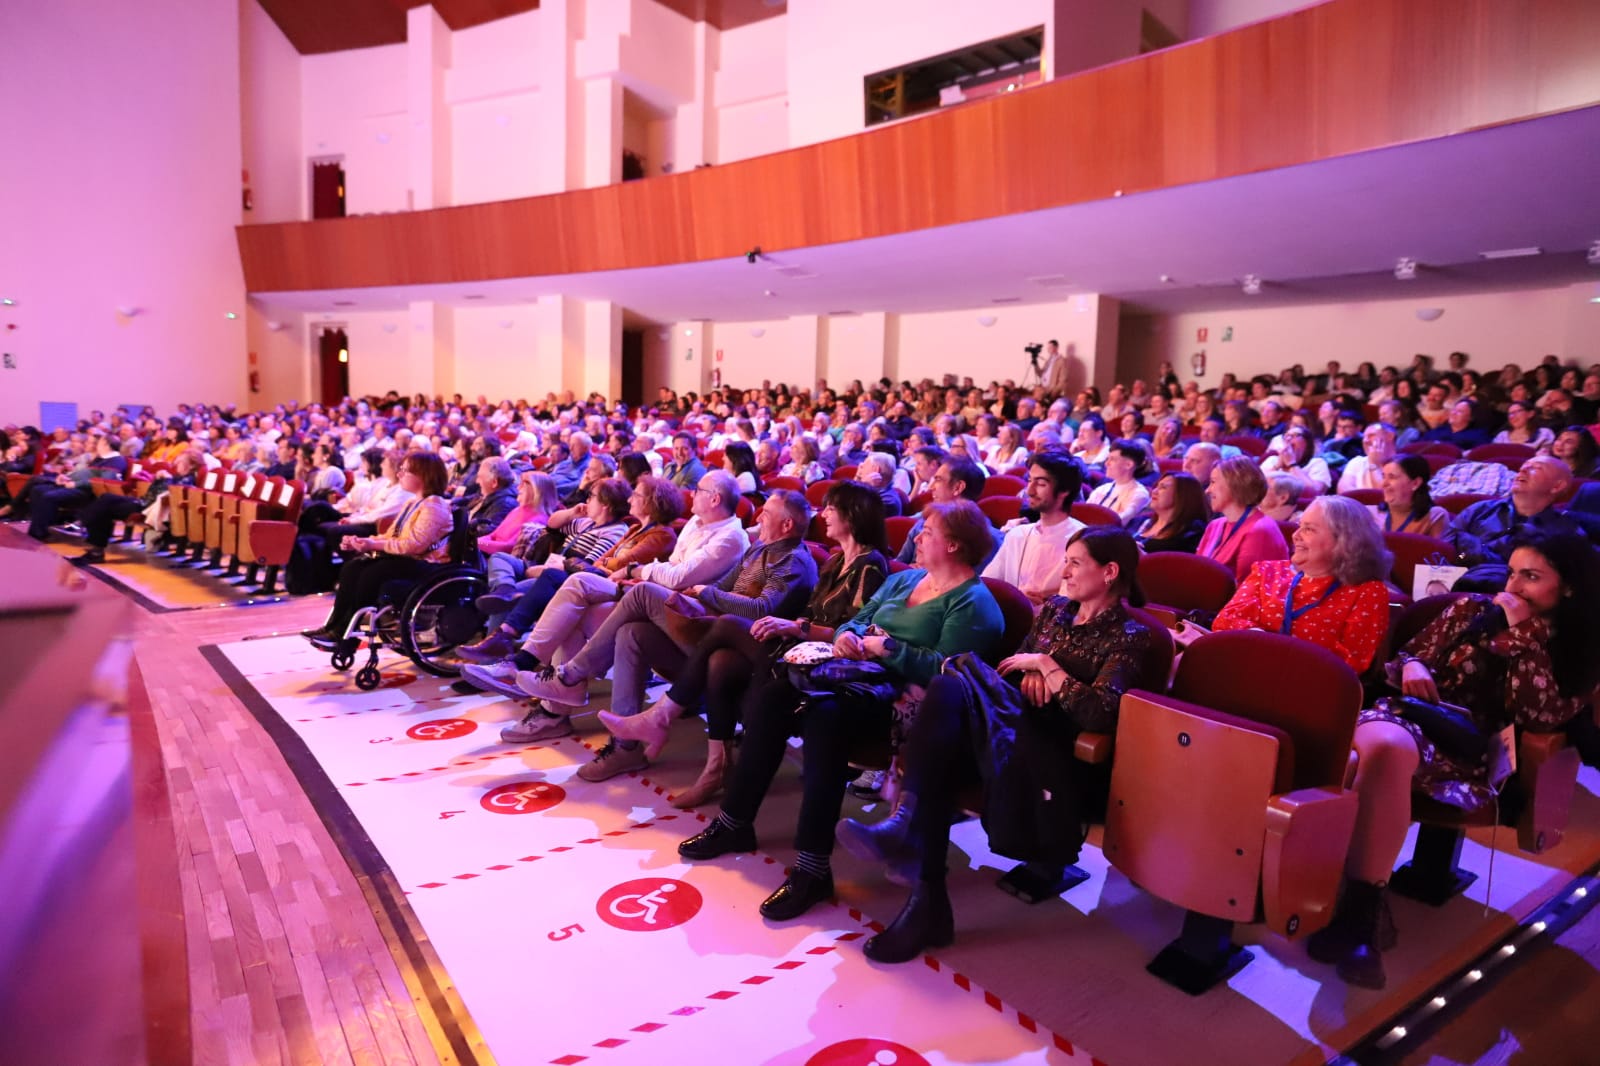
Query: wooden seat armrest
{"x": 1547, "y": 767}
{"x": 1308, "y": 834}
{"x": 1094, "y": 748}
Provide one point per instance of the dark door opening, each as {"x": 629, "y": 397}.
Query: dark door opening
{"x": 632, "y": 367}
{"x": 333, "y": 361}
{"x": 327, "y": 190}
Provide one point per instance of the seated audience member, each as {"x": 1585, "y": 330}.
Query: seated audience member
{"x": 1577, "y": 447}
{"x": 1365, "y": 471}
{"x": 419, "y": 537}
{"x": 536, "y": 502}
{"x": 924, "y": 465}
{"x": 326, "y": 479}
{"x": 1522, "y": 427}
{"x": 1199, "y": 460}
{"x": 1212, "y": 432}
{"x": 914, "y": 622}
{"x": 1297, "y": 456}
{"x": 1177, "y": 516}
{"x": 803, "y": 462}
{"x": 596, "y": 469}
{"x": 631, "y": 466}
{"x": 1485, "y": 532}
{"x": 1407, "y": 505}
{"x": 567, "y": 474}
{"x": 877, "y": 473}
{"x": 958, "y": 478}
{"x": 1523, "y": 658}
{"x": 738, "y": 653}
{"x": 1460, "y": 428}
{"x": 1032, "y": 553}
{"x": 1084, "y": 651}
{"x": 101, "y": 515}
{"x": 50, "y": 499}
{"x": 775, "y": 576}
{"x": 1168, "y": 442}
{"x": 1282, "y": 501}
{"x": 767, "y": 460}
{"x": 1123, "y": 493}
{"x": 1241, "y": 535}
{"x": 740, "y": 461}
{"x": 1330, "y": 591}
{"x": 357, "y": 515}
{"x": 496, "y": 496}
{"x": 1348, "y": 440}
{"x": 1009, "y": 452}
{"x": 1090, "y": 446}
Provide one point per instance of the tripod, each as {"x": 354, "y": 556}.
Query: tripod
{"x": 1033, "y": 376}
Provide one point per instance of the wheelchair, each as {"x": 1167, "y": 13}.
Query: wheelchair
{"x": 424, "y": 619}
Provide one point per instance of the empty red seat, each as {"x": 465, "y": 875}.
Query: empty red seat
{"x": 1184, "y": 582}
{"x": 1000, "y": 509}
{"x": 1092, "y": 514}
{"x": 1003, "y": 485}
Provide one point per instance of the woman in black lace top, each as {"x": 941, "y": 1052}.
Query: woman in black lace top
{"x": 1084, "y": 651}
{"x": 737, "y": 650}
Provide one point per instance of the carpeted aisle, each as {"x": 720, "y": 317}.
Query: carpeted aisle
{"x": 566, "y": 928}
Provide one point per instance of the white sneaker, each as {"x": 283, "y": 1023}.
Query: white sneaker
{"x": 546, "y": 684}
{"x": 537, "y": 724}
{"x": 494, "y": 677}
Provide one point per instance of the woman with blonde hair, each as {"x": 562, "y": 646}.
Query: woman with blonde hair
{"x": 1241, "y": 535}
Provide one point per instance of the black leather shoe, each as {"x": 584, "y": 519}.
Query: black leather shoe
{"x": 717, "y": 839}
{"x": 798, "y": 893}
{"x": 924, "y": 922}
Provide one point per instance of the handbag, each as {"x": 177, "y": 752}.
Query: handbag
{"x": 814, "y": 670}
{"x": 1448, "y": 727}
{"x": 1434, "y": 576}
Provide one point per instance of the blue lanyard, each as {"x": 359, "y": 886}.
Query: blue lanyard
{"x": 1290, "y": 614}
{"x": 1228, "y": 536}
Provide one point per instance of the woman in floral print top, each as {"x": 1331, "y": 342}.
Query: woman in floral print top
{"x": 1523, "y": 657}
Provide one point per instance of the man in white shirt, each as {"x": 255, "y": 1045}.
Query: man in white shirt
{"x": 1366, "y": 471}
{"x": 1033, "y": 553}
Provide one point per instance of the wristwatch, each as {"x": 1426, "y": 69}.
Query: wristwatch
{"x": 805, "y": 628}
{"x": 890, "y": 645}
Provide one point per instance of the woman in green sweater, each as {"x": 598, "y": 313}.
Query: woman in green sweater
{"x": 915, "y": 621}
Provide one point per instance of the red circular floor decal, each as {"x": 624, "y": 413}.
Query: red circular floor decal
{"x": 867, "y": 1051}
{"x": 649, "y": 904}
{"x": 442, "y": 729}
{"x": 522, "y": 797}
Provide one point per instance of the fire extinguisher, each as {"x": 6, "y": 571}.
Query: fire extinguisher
{"x": 1197, "y": 362}
{"x": 255, "y": 381}
{"x": 716, "y": 377}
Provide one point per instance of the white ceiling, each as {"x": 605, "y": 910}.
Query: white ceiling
{"x": 1326, "y": 231}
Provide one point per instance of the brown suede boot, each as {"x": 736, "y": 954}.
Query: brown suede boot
{"x": 712, "y": 779}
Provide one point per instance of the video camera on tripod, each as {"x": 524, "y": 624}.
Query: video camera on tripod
{"x": 1033, "y": 351}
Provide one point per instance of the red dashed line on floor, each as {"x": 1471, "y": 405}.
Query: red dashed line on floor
{"x": 719, "y": 996}
{"x": 379, "y": 710}
{"x": 455, "y": 764}
{"x": 560, "y": 849}
{"x": 963, "y": 982}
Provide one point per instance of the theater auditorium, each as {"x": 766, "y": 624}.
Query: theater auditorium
{"x": 795, "y": 532}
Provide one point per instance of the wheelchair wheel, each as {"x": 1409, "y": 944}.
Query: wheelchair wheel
{"x": 439, "y": 616}
{"x": 343, "y": 660}
{"x": 368, "y": 678}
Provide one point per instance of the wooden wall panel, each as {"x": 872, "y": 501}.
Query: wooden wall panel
{"x": 1346, "y": 76}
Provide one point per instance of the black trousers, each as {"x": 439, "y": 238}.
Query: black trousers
{"x": 830, "y": 727}
{"x": 101, "y": 517}
{"x": 361, "y": 583}
{"x": 46, "y": 506}
{"x": 720, "y": 671}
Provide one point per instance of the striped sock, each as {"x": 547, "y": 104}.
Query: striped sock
{"x": 728, "y": 821}
{"x": 815, "y": 864}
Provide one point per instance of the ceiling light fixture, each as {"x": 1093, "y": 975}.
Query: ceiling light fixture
{"x": 987, "y": 320}
{"x": 1252, "y": 285}
{"x": 1511, "y": 253}
{"x": 1429, "y": 314}
{"x": 1405, "y": 269}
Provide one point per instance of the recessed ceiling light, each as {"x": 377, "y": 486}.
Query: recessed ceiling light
{"x": 1252, "y": 285}
{"x": 1511, "y": 253}
{"x": 344, "y": 303}
{"x": 1006, "y": 300}
{"x": 474, "y": 296}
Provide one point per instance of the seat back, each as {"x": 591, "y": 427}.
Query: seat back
{"x": 1456, "y": 502}
{"x": 777, "y": 481}
{"x": 1003, "y": 485}
{"x": 817, "y": 491}
{"x": 1092, "y": 514}
{"x": 1185, "y": 582}
{"x": 1000, "y": 509}
{"x": 1365, "y": 497}
{"x": 1412, "y": 549}
{"x": 1415, "y": 618}
{"x": 1254, "y": 447}
{"x": 1512, "y": 455}
{"x": 844, "y": 473}
{"x": 1161, "y": 661}
{"x": 1017, "y": 610}
{"x": 898, "y": 528}
{"x": 1284, "y": 682}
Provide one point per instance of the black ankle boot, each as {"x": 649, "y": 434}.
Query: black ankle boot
{"x": 1361, "y": 930}
{"x": 926, "y": 921}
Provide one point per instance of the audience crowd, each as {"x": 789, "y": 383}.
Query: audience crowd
{"x": 679, "y": 539}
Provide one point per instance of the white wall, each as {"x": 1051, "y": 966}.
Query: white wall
{"x": 496, "y": 121}
{"x": 353, "y": 104}
{"x": 937, "y": 343}
{"x": 282, "y": 356}
{"x": 750, "y": 90}
{"x": 1209, "y": 17}
{"x": 121, "y": 179}
{"x": 1493, "y": 328}
{"x": 498, "y": 360}
{"x": 269, "y": 89}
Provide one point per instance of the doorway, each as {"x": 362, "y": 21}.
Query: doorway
{"x": 327, "y": 188}
{"x": 333, "y": 362}
{"x": 632, "y": 367}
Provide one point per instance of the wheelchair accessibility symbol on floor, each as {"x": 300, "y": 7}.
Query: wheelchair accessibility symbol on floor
{"x": 522, "y": 797}
{"x": 649, "y": 904}
{"x": 442, "y": 729}
{"x": 866, "y": 1051}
